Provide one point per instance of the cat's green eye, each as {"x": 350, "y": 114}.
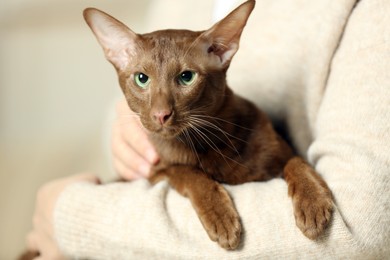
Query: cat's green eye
{"x": 141, "y": 79}
{"x": 187, "y": 77}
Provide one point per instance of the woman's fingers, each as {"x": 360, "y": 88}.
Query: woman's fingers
{"x": 132, "y": 151}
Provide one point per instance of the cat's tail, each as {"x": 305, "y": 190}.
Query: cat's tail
{"x": 311, "y": 197}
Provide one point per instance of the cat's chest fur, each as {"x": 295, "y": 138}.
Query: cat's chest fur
{"x": 211, "y": 160}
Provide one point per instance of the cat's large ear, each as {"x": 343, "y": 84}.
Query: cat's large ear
{"x": 223, "y": 38}
{"x": 117, "y": 40}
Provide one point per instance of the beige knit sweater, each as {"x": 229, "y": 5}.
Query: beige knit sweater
{"x": 321, "y": 66}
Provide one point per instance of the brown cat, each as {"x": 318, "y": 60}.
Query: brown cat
{"x": 205, "y": 134}
{"x": 175, "y": 80}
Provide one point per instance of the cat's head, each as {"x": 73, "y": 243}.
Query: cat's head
{"x": 168, "y": 76}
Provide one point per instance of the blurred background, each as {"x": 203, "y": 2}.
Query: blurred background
{"x": 57, "y": 94}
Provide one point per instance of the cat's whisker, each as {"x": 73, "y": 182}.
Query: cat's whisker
{"x": 199, "y": 142}
{"x": 225, "y": 121}
{"x": 198, "y": 110}
{"x": 223, "y": 155}
{"x": 208, "y": 141}
{"x": 214, "y": 146}
{"x": 181, "y": 140}
{"x": 233, "y": 148}
{"x": 208, "y": 123}
{"x": 231, "y": 145}
{"x": 223, "y": 131}
{"x": 203, "y": 115}
{"x": 205, "y": 139}
{"x": 192, "y": 146}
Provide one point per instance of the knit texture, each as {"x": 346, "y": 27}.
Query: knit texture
{"x": 320, "y": 66}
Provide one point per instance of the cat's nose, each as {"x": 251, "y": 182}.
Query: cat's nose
{"x": 162, "y": 116}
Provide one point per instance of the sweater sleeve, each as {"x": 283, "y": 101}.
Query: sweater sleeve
{"x": 136, "y": 220}
{"x": 352, "y": 131}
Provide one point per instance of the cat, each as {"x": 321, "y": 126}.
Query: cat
{"x": 175, "y": 80}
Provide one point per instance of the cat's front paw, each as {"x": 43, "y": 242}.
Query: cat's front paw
{"x": 312, "y": 212}
{"x": 220, "y": 219}
{"x": 311, "y": 197}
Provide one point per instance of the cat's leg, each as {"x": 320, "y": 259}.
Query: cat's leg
{"x": 312, "y": 199}
{"x": 210, "y": 200}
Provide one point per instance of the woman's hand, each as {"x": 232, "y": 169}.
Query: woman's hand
{"x": 133, "y": 154}
{"x": 41, "y": 239}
